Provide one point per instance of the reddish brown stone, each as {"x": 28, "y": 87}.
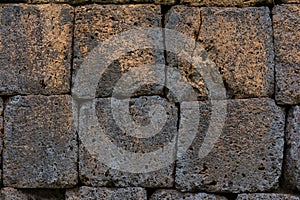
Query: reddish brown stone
{"x": 227, "y": 3}
{"x": 40, "y": 142}
{"x": 97, "y": 23}
{"x": 247, "y": 156}
{"x": 238, "y": 40}
{"x": 286, "y": 20}
{"x": 85, "y": 193}
{"x": 35, "y": 49}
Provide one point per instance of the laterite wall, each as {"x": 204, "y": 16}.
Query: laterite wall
{"x": 254, "y": 44}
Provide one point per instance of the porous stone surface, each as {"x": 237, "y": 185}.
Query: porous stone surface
{"x": 286, "y": 20}
{"x": 35, "y": 49}
{"x": 246, "y": 157}
{"x": 40, "y": 142}
{"x": 84, "y": 192}
{"x": 8, "y": 193}
{"x": 227, "y": 3}
{"x": 173, "y": 194}
{"x": 95, "y": 24}
{"x": 163, "y": 2}
{"x": 267, "y": 196}
{"x": 94, "y": 172}
{"x": 1, "y": 132}
{"x": 238, "y": 40}
{"x": 292, "y": 161}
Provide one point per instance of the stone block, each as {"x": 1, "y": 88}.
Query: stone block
{"x": 95, "y": 24}
{"x": 35, "y": 49}
{"x": 173, "y": 194}
{"x": 267, "y": 196}
{"x": 8, "y": 193}
{"x": 292, "y": 161}
{"x": 84, "y": 192}
{"x": 227, "y": 3}
{"x": 97, "y": 166}
{"x": 238, "y": 40}
{"x": 247, "y": 155}
{"x": 40, "y": 142}
{"x": 286, "y": 20}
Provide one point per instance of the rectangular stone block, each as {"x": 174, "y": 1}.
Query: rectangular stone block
{"x": 85, "y": 193}
{"x": 292, "y": 161}
{"x": 35, "y": 48}
{"x": 286, "y": 20}
{"x": 95, "y": 24}
{"x": 40, "y": 146}
{"x": 227, "y": 3}
{"x": 8, "y": 193}
{"x": 234, "y": 150}
{"x": 238, "y": 41}
{"x": 173, "y": 194}
{"x": 120, "y": 148}
{"x": 267, "y": 196}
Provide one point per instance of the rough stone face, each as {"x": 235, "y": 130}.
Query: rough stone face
{"x": 227, "y": 3}
{"x": 173, "y": 194}
{"x": 238, "y": 40}
{"x": 95, "y": 172}
{"x": 247, "y": 155}
{"x": 270, "y": 196}
{"x": 40, "y": 142}
{"x": 286, "y": 20}
{"x": 35, "y": 49}
{"x": 163, "y": 2}
{"x": 292, "y": 161}
{"x": 30, "y": 194}
{"x": 97, "y": 23}
{"x": 84, "y": 192}
{"x": 1, "y": 132}
{"x": 292, "y": 1}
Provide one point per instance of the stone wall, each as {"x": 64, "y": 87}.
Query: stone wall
{"x": 255, "y": 46}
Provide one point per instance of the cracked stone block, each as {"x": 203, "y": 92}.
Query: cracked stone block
{"x": 95, "y": 24}
{"x": 286, "y": 20}
{"x": 35, "y": 49}
{"x": 292, "y": 161}
{"x": 8, "y": 193}
{"x": 85, "y": 192}
{"x": 267, "y": 196}
{"x": 226, "y": 3}
{"x": 242, "y": 154}
{"x": 173, "y": 194}
{"x": 148, "y": 129}
{"x": 238, "y": 41}
{"x": 40, "y": 146}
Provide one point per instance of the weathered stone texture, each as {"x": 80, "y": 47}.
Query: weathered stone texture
{"x": 84, "y": 193}
{"x": 1, "y": 132}
{"x": 265, "y": 196}
{"x": 286, "y": 20}
{"x": 35, "y": 49}
{"x": 238, "y": 40}
{"x": 291, "y": 1}
{"x": 97, "y": 23}
{"x": 227, "y": 3}
{"x": 173, "y": 194}
{"x": 40, "y": 142}
{"x": 31, "y": 194}
{"x": 292, "y": 161}
{"x": 96, "y": 173}
{"x": 247, "y": 155}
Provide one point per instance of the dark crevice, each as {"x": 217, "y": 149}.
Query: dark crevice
{"x": 176, "y": 142}
{"x": 164, "y": 12}
{"x": 150, "y": 191}
{"x": 281, "y": 178}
